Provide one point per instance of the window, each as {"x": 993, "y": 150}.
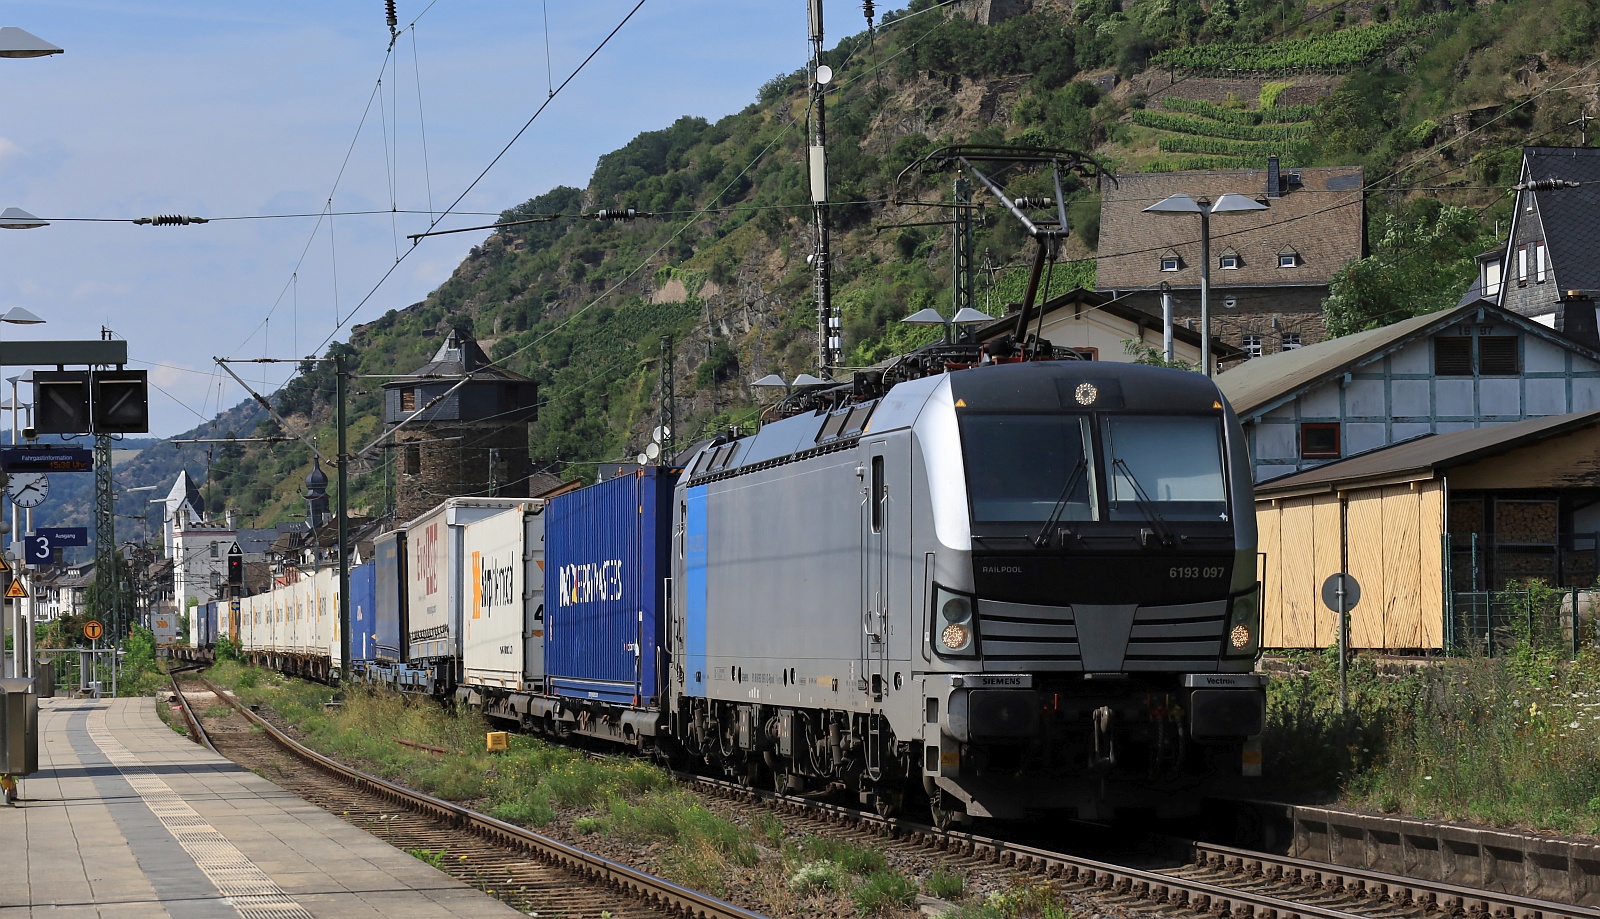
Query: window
{"x": 1538, "y": 263}
{"x": 1174, "y": 462}
{"x": 1452, "y": 357}
{"x": 1028, "y": 468}
{"x": 879, "y": 493}
{"x": 1319, "y": 440}
{"x": 1497, "y": 355}
{"x": 1251, "y": 345}
{"x": 1290, "y": 341}
{"x": 1289, "y": 259}
{"x": 408, "y": 400}
{"x": 213, "y": 550}
{"x": 411, "y": 460}
{"x": 1170, "y": 263}
{"x": 1522, "y": 266}
{"x": 1229, "y": 261}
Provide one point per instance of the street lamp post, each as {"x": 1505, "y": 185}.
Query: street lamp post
{"x": 1225, "y": 204}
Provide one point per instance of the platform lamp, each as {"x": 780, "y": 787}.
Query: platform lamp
{"x": 1225, "y": 204}
{"x": 966, "y": 316}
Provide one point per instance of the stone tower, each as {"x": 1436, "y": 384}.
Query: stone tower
{"x": 469, "y": 433}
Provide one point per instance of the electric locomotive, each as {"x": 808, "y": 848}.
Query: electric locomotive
{"x": 1014, "y": 589}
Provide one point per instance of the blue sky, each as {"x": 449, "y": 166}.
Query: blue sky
{"x": 227, "y": 109}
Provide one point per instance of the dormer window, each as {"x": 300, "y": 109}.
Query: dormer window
{"x": 1170, "y": 261}
{"x": 1229, "y": 261}
{"x": 1288, "y": 258}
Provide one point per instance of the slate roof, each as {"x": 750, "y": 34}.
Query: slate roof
{"x": 460, "y": 355}
{"x": 1261, "y": 384}
{"x": 1571, "y": 216}
{"x": 1424, "y": 457}
{"x": 1320, "y": 219}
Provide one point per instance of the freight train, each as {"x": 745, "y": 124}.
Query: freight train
{"x": 1017, "y": 589}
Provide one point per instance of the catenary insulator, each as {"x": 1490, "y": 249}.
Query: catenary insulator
{"x": 1547, "y": 185}
{"x": 1031, "y": 201}
{"x": 394, "y": 20}
{"x": 617, "y": 213}
{"x": 169, "y": 220}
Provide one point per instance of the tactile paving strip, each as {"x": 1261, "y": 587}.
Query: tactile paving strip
{"x": 246, "y": 887}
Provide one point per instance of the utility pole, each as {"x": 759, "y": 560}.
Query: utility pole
{"x": 961, "y": 256}
{"x": 668, "y": 420}
{"x": 1582, "y": 121}
{"x": 105, "y": 523}
{"x": 340, "y": 384}
{"x": 828, "y": 340}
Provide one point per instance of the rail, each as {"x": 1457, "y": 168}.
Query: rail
{"x": 656, "y": 891}
{"x": 1364, "y": 886}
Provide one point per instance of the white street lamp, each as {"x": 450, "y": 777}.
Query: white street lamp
{"x": 1225, "y": 204}
{"x": 15, "y": 42}
{"x": 966, "y": 316}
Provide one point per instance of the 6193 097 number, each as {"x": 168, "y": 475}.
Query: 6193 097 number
{"x": 1183, "y": 572}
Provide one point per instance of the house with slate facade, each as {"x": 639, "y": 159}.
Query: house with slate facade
{"x": 1473, "y": 365}
{"x": 1550, "y": 267}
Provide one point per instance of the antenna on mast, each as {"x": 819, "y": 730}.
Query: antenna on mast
{"x": 828, "y": 338}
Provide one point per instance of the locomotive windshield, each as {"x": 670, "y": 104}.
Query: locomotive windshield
{"x": 1033, "y": 468}
{"x": 1020, "y": 467}
{"x": 1171, "y": 465}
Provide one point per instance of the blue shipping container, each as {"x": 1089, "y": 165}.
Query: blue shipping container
{"x": 363, "y": 613}
{"x": 607, "y": 561}
{"x": 389, "y": 596}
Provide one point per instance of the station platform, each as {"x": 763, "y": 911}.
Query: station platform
{"x": 126, "y": 818}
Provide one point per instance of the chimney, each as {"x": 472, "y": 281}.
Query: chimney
{"x": 1575, "y": 319}
{"x": 1274, "y": 182}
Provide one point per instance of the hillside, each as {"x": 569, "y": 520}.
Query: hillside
{"x": 1433, "y": 97}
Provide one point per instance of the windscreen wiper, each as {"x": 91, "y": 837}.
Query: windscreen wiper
{"x": 1146, "y": 506}
{"x": 1043, "y": 539}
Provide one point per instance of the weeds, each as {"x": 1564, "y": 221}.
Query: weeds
{"x": 812, "y": 877}
{"x": 883, "y": 892}
{"x": 436, "y": 859}
{"x": 1507, "y": 741}
{"x": 945, "y": 886}
{"x": 847, "y": 855}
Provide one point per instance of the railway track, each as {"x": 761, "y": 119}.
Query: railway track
{"x": 529, "y": 872}
{"x": 1217, "y": 880}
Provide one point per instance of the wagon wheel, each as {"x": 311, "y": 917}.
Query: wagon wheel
{"x": 887, "y": 802}
{"x": 946, "y": 812}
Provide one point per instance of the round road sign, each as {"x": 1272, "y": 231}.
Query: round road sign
{"x": 1330, "y": 592}
{"x": 92, "y": 630}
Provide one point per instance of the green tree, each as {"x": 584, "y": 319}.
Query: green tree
{"x": 1419, "y": 264}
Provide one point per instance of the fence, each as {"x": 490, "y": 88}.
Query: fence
{"x": 1494, "y": 622}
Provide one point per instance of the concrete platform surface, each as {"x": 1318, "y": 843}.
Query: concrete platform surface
{"x": 128, "y": 819}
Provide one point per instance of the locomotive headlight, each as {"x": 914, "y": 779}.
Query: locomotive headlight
{"x": 1244, "y": 624}
{"x": 956, "y": 637}
{"x": 956, "y": 609}
{"x": 954, "y": 624}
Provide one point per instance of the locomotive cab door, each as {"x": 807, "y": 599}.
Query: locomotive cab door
{"x": 877, "y": 531}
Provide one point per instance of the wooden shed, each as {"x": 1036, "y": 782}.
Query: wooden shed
{"x": 1419, "y": 523}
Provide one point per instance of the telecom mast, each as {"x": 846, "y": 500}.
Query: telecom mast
{"x": 828, "y": 337}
